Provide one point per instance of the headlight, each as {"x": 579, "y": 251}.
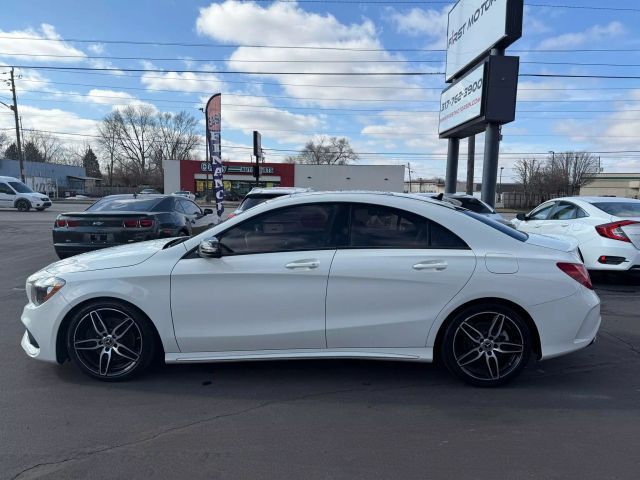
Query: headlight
{"x": 42, "y": 289}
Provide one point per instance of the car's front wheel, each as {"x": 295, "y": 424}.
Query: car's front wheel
{"x": 110, "y": 341}
{"x": 23, "y": 205}
{"x": 486, "y": 345}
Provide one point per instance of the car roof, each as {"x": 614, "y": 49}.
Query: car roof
{"x": 277, "y": 190}
{"x": 131, "y": 196}
{"x": 348, "y": 195}
{"x": 10, "y": 179}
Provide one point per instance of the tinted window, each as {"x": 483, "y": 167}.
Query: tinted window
{"x": 20, "y": 187}
{"x": 474, "y": 205}
{"x": 4, "y": 188}
{"x": 253, "y": 200}
{"x": 303, "y": 227}
{"x": 123, "y": 205}
{"x": 541, "y": 213}
{"x": 564, "y": 211}
{"x": 620, "y": 209}
{"x": 374, "y": 226}
{"x": 190, "y": 208}
{"x": 501, "y": 227}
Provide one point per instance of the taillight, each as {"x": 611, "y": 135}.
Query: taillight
{"x": 146, "y": 223}
{"x": 130, "y": 223}
{"x": 138, "y": 223}
{"x": 231, "y": 215}
{"x": 64, "y": 222}
{"x": 578, "y": 272}
{"x": 61, "y": 223}
{"x": 614, "y": 231}
{"x": 72, "y": 223}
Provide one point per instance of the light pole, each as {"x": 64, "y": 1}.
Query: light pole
{"x": 553, "y": 155}
{"x": 500, "y": 195}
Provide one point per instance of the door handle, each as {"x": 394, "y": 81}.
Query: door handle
{"x": 564, "y": 225}
{"x": 308, "y": 264}
{"x": 438, "y": 265}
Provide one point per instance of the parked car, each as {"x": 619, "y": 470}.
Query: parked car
{"x": 607, "y": 229}
{"x": 123, "y": 219}
{"x": 15, "y": 194}
{"x": 470, "y": 203}
{"x": 186, "y": 194}
{"x": 320, "y": 275}
{"x": 259, "y": 195}
{"x": 149, "y": 191}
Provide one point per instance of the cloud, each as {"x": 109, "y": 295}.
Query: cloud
{"x": 282, "y": 24}
{"x": 429, "y": 23}
{"x": 16, "y": 43}
{"x": 182, "y": 82}
{"x": 109, "y": 97}
{"x": 576, "y": 39}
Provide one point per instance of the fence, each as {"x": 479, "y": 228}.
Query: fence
{"x": 522, "y": 200}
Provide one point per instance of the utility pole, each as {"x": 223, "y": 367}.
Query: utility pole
{"x": 471, "y": 153}
{"x": 15, "y": 115}
{"x": 409, "y": 166}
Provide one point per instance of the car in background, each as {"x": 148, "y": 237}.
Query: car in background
{"x": 15, "y": 194}
{"x": 185, "y": 193}
{"x": 149, "y": 191}
{"x": 123, "y": 219}
{"x": 258, "y": 195}
{"x": 607, "y": 229}
{"x": 366, "y": 275}
{"x": 470, "y": 203}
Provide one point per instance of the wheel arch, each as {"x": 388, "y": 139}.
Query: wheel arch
{"x": 535, "y": 339}
{"x": 21, "y": 199}
{"x": 61, "y": 345}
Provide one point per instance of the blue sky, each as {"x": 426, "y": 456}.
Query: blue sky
{"x": 387, "y": 119}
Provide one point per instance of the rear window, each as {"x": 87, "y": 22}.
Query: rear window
{"x": 474, "y": 205}
{"x": 619, "y": 209}
{"x": 253, "y": 200}
{"x": 501, "y": 227}
{"x": 123, "y": 205}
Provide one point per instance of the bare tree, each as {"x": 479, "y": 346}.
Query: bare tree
{"x": 567, "y": 172}
{"x": 48, "y": 145}
{"x": 107, "y": 144}
{"x": 326, "y": 151}
{"x": 529, "y": 173}
{"x": 4, "y": 142}
{"x": 176, "y": 135}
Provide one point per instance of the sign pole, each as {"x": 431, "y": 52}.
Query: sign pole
{"x": 471, "y": 154}
{"x": 491, "y": 155}
{"x": 451, "y": 179}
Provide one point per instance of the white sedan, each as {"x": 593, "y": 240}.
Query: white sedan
{"x": 320, "y": 275}
{"x": 186, "y": 194}
{"x": 607, "y": 229}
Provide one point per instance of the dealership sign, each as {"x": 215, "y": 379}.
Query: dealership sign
{"x": 206, "y": 167}
{"x": 477, "y": 26}
{"x": 485, "y": 94}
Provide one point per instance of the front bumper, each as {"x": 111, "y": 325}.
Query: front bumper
{"x": 42, "y": 324}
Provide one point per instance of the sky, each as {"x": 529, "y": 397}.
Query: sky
{"x": 387, "y": 118}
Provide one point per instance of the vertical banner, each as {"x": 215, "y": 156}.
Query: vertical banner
{"x": 214, "y": 107}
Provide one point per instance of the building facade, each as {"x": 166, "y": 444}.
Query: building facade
{"x": 49, "y": 178}
{"x": 613, "y": 184}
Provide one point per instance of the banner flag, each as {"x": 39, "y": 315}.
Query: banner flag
{"x": 214, "y": 114}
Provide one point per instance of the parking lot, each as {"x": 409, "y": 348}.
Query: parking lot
{"x": 572, "y": 417}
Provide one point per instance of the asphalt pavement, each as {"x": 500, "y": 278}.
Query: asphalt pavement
{"x": 576, "y": 417}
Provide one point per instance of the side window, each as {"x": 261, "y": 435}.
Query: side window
{"x": 541, "y": 213}
{"x": 190, "y": 208}
{"x": 564, "y": 211}
{"x": 374, "y": 226}
{"x": 303, "y": 227}
{"x": 581, "y": 213}
{"x": 4, "y": 188}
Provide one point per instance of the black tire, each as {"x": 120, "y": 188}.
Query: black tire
{"x": 110, "y": 334}
{"x": 23, "y": 205}
{"x": 486, "y": 345}
{"x": 41, "y": 209}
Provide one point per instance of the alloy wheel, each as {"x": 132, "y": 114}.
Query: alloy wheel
{"x": 108, "y": 342}
{"x": 488, "y": 346}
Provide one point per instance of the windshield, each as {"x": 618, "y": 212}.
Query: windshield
{"x": 501, "y": 227}
{"x": 474, "y": 205}
{"x": 20, "y": 187}
{"x": 620, "y": 209}
{"x": 123, "y": 205}
{"x": 253, "y": 200}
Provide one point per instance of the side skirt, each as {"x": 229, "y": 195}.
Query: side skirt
{"x": 400, "y": 354}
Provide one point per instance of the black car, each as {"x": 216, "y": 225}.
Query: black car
{"x": 123, "y": 219}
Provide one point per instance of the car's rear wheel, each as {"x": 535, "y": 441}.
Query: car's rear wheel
{"x": 486, "y": 345}
{"x": 110, "y": 341}
{"x": 23, "y": 205}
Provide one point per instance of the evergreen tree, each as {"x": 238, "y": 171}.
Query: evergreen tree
{"x": 12, "y": 152}
{"x": 90, "y": 164}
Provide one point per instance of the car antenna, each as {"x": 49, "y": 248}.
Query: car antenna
{"x": 440, "y": 196}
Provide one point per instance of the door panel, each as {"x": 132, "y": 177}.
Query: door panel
{"x": 266, "y": 301}
{"x": 391, "y": 297}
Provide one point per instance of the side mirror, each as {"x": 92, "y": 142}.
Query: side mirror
{"x": 207, "y": 211}
{"x": 210, "y": 248}
{"x": 522, "y": 216}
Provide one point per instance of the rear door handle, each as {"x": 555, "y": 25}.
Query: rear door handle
{"x": 308, "y": 264}
{"x": 431, "y": 265}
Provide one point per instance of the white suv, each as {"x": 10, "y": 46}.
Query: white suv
{"x": 15, "y": 194}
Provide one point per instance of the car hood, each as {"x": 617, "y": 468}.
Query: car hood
{"x": 35, "y": 195}
{"x": 115, "y": 257}
{"x": 555, "y": 242}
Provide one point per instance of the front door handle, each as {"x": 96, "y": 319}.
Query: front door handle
{"x": 437, "y": 265}
{"x": 299, "y": 264}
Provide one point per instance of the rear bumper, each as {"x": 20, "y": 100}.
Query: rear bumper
{"x": 592, "y": 250}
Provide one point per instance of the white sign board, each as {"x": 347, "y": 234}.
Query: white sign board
{"x": 475, "y": 26}
{"x": 462, "y": 101}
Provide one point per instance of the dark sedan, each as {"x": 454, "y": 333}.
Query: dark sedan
{"x": 122, "y": 219}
